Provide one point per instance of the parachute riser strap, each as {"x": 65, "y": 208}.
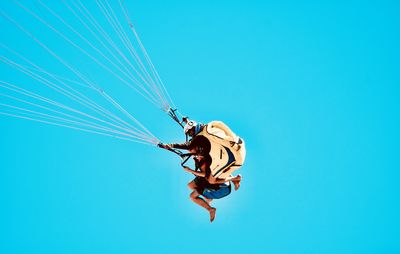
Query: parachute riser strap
{"x": 184, "y": 156}
{"x": 172, "y": 114}
{"x": 175, "y": 151}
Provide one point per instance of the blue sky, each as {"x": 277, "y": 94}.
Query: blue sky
{"x": 312, "y": 87}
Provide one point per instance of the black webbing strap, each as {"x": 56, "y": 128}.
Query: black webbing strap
{"x": 172, "y": 114}
{"x": 184, "y": 156}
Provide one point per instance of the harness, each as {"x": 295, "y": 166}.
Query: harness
{"x": 227, "y": 149}
{"x": 224, "y": 152}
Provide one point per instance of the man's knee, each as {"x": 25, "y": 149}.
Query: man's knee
{"x": 212, "y": 180}
{"x": 191, "y": 185}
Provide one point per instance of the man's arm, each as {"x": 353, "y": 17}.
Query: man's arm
{"x": 183, "y": 146}
{"x": 196, "y": 173}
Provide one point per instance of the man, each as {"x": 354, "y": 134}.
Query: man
{"x": 203, "y": 191}
{"x": 205, "y": 187}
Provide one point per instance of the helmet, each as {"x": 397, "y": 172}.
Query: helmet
{"x": 190, "y": 125}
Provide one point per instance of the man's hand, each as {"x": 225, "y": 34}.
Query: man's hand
{"x": 165, "y": 146}
{"x": 187, "y": 169}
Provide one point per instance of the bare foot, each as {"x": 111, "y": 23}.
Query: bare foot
{"x": 212, "y": 213}
{"x": 236, "y": 182}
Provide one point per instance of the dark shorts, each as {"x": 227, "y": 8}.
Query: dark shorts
{"x": 201, "y": 184}
{"x": 211, "y": 191}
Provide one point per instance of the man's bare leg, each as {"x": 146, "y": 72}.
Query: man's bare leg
{"x": 195, "y": 197}
{"x": 192, "y": 185}
{"x": 212, "y": 213}
{"x": 208, "y": 200}
{"x": 236, "y": 181}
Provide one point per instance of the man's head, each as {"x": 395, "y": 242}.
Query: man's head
{"x": 191, "y": 128}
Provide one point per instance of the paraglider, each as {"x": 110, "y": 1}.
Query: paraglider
{"x": 217, "y": 153}
{"x": 80, "y": 101}
{"x": 227, "y": 150}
